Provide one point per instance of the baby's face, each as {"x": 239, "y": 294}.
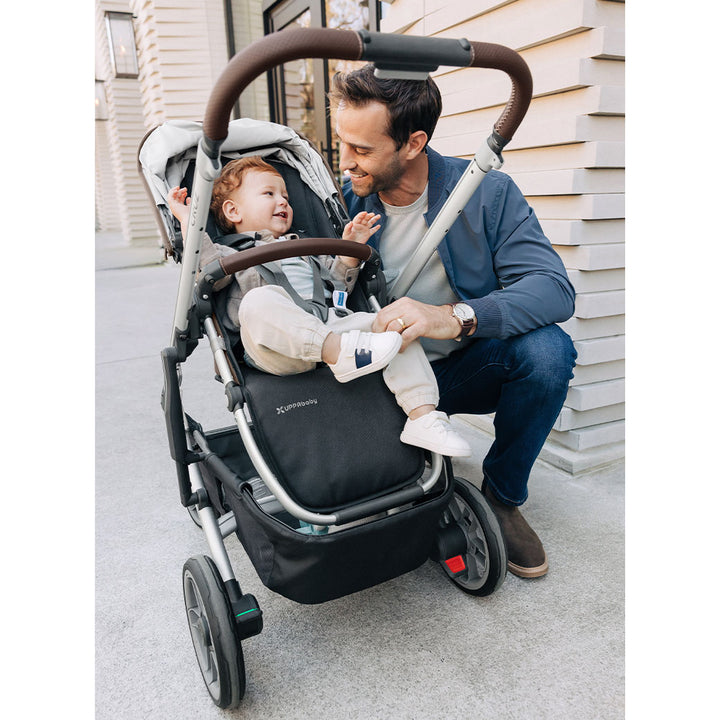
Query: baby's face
{"x": 262, "y": 204}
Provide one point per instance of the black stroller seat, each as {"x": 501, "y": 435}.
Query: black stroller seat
{"x": 331, "y": 445}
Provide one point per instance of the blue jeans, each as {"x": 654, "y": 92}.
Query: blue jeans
{"x": 524, "y": 381}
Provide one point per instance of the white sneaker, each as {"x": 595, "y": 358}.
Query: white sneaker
{"x": 432, "y": 432}
{"x": 362, "y": 353}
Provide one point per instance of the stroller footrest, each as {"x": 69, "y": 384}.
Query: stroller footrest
{"x": 370, "y": 507}
{"x": 248, "y": 616}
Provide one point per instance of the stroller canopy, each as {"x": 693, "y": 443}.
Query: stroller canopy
{"x": 168, "y": 152}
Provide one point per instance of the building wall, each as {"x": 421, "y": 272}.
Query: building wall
{"x": 107, "y": 207}
{"x": 567, "y": 157}
{"x": 182, "y": 49}
{"x": 121, "y": 203}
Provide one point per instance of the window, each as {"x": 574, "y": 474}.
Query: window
{"x": 299, "y": 88}
{"x": 121, "y": 39}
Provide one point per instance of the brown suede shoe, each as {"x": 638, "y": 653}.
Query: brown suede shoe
{"x": 526, "y": 555}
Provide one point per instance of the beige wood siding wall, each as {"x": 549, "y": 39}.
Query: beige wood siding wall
{"x": 107, "y": 207}
{"x": 117, "y": 139}
{"x": 568, "y": 159}
{"x": 182, "y": 48}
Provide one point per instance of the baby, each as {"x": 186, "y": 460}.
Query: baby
{"x": 282, "y": 337}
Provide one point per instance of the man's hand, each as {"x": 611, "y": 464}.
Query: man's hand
{"x": 415, "y": 319}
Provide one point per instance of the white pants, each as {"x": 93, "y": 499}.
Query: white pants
{"x": 283, "y": 339}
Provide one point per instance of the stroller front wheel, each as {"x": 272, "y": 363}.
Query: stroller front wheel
{"x": 217, "y": 648}
{"x": 483, "y": 564}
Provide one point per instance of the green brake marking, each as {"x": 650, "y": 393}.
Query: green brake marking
{"x": 245, "y": 612}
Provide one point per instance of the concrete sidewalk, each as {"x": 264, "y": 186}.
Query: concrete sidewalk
{"x": 413, "y": 648}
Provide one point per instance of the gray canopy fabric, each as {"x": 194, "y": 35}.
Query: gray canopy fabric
{"x": 168, "y": 150}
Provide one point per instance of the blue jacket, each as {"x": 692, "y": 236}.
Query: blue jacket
{"x": 496, "y": 255}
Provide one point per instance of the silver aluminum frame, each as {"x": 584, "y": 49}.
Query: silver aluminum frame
{"x": 485, "y": 160}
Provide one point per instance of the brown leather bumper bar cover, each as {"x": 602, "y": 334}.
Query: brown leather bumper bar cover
{"x": 286, "y": 45}
{"x": 292, "y": 248}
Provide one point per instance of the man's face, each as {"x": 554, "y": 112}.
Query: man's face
{"x": 367, "y": 153}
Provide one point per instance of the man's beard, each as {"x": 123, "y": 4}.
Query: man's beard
{"x": 388, "y": 179}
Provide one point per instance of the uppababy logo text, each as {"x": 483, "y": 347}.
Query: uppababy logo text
{"x": 293, "y": 406}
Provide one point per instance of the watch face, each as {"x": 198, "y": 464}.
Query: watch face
{"x": 464, "y": 311}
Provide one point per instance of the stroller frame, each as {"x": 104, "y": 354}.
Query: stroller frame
{"x": 220, "y": 615}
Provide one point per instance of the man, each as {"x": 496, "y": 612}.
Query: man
{"x": 486, "y": 303}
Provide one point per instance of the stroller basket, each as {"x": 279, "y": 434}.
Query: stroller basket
{"x": 317, "y": 568}
{"x": 310, "y": 568}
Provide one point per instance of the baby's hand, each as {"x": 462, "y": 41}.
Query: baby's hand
{"x": 361, "y": 228}
{"x": 179, "y": 204}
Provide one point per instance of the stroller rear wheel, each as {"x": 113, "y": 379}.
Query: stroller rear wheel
{"x": 480, "y": 567}
{"x": 217, "y": 648}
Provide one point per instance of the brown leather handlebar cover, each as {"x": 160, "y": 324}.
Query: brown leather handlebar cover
{"x": 293, "y": 44}
{"x": 292, "y": 248}
{"x": 265, "y": 54}
{"x": 499, "y": 57}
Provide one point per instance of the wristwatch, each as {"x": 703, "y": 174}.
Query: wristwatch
{"x": 465, "y": 315}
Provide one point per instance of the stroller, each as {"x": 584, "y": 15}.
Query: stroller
{"x": 311, "y": 476}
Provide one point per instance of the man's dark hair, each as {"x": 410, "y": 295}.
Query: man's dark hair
{"x": 412, "y": 104}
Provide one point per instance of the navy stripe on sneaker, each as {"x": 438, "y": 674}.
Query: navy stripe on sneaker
{"x": 362, "y": 358}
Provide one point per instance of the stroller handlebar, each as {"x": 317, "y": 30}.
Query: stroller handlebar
{"x": 401, "y": 56}
{"x": 262, "y": 55}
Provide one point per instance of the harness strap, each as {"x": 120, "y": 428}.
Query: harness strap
{"x": 328, "y": 281}
{"x": 273, "y": 274}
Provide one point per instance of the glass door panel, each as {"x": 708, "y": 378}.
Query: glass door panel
{"x": 297, "y": 82}
{"x": 345, "y": 15}
{"x": 298, "y": 89}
